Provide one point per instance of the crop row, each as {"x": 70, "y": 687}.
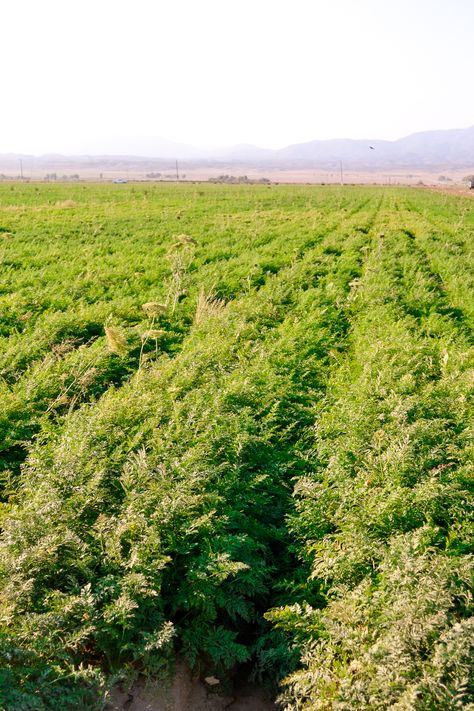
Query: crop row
{"x": 385, "y": 519}
{"x": 156, "y": 513}
{"x": 237, "y": 427}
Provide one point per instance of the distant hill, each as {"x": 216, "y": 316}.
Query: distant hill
{"x": 452, "y": 147}
{"x": 428, "y": 148}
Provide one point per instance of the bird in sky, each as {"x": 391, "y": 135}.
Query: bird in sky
{"x": 372, "y": 148}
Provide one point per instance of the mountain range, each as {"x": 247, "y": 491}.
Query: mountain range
{"x": 451, "y": 147}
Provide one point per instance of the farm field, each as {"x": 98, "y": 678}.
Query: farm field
{"x": 237, "y": 430}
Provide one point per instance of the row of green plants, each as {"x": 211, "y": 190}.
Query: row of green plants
{"x": 72, "y": 267}
{"x": 237, "y": 428}
{"x": 385, "y": 520}
{"x": 152, "y": 519}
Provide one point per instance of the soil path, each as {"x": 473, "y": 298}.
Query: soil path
{"x": 188, "y": 693}
{"x": 463, "y": 192}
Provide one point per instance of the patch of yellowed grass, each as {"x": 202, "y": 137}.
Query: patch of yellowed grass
{"x": 154, "y": 308}
{"x": 66, "y": 203}
{"x": 116, "y": 341}
{"x": 207, "y": 306}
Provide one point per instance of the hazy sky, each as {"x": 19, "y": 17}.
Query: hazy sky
{"x": 216, "y": 72}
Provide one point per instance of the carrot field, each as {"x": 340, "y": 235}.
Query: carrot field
{"x": 236, "y": 428}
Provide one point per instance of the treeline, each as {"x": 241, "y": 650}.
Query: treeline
{"x": 233, "y": 179}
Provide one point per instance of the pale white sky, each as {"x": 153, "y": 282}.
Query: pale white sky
{"x": 217, "y": 72}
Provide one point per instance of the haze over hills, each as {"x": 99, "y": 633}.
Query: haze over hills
{"x": 428, "y": 148}
{"x": 452, "y": 147}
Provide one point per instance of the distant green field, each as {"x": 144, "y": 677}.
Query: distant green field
{"x": 236, "y": 425}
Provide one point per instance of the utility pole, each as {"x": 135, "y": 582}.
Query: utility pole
{"x": 342, "y": 175}
{"x": 177, "y": 173}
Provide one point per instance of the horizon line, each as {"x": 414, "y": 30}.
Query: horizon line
{"x": 231, "y": 146}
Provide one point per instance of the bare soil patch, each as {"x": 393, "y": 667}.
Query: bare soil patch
{"x": 456, "y": 190}
{"x": 189, "y": 693}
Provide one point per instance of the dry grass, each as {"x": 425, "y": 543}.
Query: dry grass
{"x": 207, "y": 306}
{"x": 153, "y": 333}
{"x": 184, "y": 239}
{"x": 154, "y": 308}
{"x": 66, "y": 203}
{"x": 116, "y": 341}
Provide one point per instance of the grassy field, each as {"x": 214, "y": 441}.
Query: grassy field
{"x": 236, "y": 425}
